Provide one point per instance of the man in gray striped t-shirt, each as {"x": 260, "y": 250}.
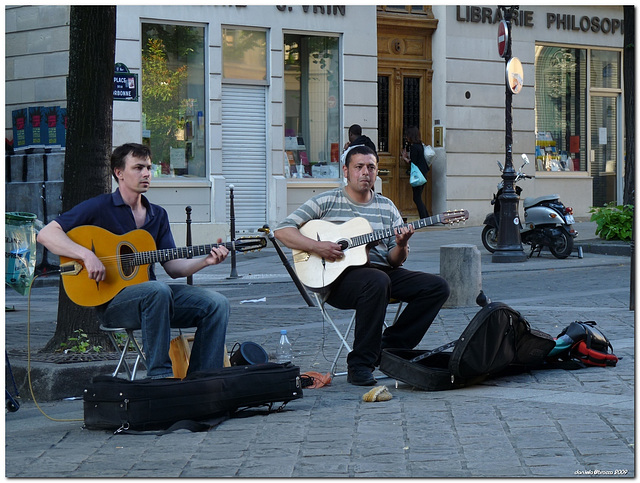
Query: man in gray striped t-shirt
{"x": 366, "y": 286}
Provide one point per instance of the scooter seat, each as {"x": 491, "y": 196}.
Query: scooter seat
{"x": 531, "y": 201}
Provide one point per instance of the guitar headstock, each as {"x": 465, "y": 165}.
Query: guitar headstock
{"x": 250, "y": 243}
{"x": 454, "y": 216}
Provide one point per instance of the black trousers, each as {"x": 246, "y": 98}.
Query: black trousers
{"x": 417, "y": 199}
{"x": 368, "y": 290}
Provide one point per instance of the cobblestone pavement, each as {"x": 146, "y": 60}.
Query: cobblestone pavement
{"x": 542, "y": 423}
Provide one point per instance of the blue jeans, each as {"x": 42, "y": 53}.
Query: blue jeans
{"x": 156, "y": 307}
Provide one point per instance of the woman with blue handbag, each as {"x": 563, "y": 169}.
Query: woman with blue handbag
{"x": 413, "y": 154}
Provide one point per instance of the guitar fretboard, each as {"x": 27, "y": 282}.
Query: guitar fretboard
{"x": 389, "y": 232}
{"x": 145, "y": 258}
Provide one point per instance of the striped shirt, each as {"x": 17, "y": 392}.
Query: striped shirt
{"x": 337, "y": 206}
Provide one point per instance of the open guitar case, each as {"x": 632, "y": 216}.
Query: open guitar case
{"x": 497, "y": 338}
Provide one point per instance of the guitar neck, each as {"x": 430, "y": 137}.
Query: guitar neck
{"x": 153, "y": 256}
{"x": 389, "y": 232}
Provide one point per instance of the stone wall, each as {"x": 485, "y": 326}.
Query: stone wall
{"x": 36, "y": 57}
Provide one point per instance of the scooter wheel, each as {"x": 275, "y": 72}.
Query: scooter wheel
{"x": 562, "y": 245}
{"x": 490, "y": 238}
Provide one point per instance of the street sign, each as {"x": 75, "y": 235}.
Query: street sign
{"x": 503, "y": 38}
{"x": 125, "y": 84}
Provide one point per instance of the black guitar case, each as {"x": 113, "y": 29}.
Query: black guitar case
{"x": 497, "y": 337}
{"x": 116, "y": 403}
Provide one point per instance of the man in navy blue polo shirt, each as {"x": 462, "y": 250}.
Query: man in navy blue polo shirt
{"x": 153, "y": 306}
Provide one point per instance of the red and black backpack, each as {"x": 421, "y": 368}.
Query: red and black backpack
{"x": 587, "y": 345}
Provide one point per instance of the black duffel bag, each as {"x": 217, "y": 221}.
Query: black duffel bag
{"x": 116, "y": 403}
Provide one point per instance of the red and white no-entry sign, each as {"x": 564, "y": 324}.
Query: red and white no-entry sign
{"x": 503, "y": 38}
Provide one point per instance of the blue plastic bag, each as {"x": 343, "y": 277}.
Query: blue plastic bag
{"x": 416, "y": 177}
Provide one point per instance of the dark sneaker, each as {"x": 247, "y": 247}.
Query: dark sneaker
{"x": 360, "y": 377}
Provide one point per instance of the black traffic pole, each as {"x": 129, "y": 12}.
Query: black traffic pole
{"x": 509, "y": 247}
{"x": 189, "y": 242}
{"x": 232, "y": 220}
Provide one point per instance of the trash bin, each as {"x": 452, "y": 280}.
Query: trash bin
{"x": 20, "y": 250}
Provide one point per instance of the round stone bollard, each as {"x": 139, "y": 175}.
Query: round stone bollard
{"x": 460, "y": 267}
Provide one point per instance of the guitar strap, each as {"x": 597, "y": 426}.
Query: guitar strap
{"x": 189, "y": 425}
{"x": 437, "y": 350}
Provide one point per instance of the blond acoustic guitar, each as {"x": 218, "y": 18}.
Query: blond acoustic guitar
{"x": 354, "y": 236}
{"x": 126, "y": 259}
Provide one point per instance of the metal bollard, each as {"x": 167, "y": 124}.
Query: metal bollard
{"x": 232, "y": 223}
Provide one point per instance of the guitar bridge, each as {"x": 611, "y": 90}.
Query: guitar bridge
{"x": 71, "y": 268}
{"x": 301, "y": 257}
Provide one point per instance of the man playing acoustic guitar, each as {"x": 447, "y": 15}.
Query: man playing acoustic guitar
{"x": 367, "y": 287}
{"x": 153, "y": 306}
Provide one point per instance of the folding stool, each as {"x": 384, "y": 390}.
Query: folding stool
{"x": 130, "y": 340}
{"x": 343, "y": 335}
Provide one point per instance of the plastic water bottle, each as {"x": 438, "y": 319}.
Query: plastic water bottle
{"x": 283, "y": 351}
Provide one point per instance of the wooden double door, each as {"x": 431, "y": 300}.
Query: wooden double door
{"x": 404, "y": 99}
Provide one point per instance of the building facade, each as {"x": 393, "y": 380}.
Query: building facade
{"x": 568, "y": 117}
{"x": 260, "y": 97}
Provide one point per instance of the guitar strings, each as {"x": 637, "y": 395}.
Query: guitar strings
{"x": 146, "y": 255}
{"x": 132, "y": 256}
{"x": 143, "y": 256}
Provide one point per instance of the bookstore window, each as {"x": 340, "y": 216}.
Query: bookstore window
{"x": 173, "y": 99}
{"x": 312, "y": 106}
{"x": 605, "y": 69}
{"x": 607, "y": 159}
{"x": 561, "y": 92}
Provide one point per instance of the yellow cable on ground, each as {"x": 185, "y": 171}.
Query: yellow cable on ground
{"x": 29, "y": 360}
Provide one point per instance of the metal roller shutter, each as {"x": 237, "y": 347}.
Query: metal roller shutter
{"x": 244, "y": 154}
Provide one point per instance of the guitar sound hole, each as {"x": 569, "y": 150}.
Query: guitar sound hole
{"x": 127, "y": 266}
{"x": 344, "y": 244}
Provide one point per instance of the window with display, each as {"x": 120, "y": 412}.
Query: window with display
{"x": 561, "y": 109}
{"x": 312, "y": 106}
{"x": 173, "y": 98}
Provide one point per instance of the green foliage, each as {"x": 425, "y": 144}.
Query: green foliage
{"x": 79, "y": 344}
{"x": 614, "y": 222}
{"x": 121, "y": 338}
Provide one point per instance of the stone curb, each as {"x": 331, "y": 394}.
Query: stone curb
{"x": 52, "y": 382}
{"x": 606, "y": 247}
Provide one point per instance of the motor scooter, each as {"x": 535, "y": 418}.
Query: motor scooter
{"x": 547, "y": 222}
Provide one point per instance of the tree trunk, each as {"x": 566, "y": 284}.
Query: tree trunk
{"x": 92, "y": 35}
{"x": 629, "y": 190}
